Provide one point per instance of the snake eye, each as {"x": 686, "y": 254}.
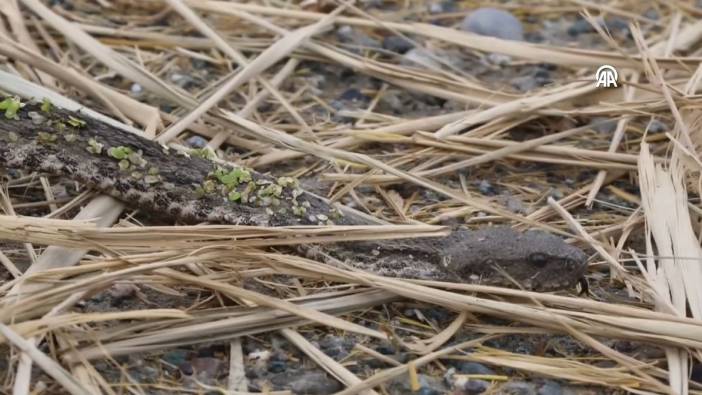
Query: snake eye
{"x": 537, "y": 259}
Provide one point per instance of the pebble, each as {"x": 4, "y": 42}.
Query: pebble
{"x": 474, "y": 387}
{"x": 277, "y": 366}
{"x": 334, "y": 346}
{"x": 428, "y": 386}
{"x": 196, "y": 142}
{"x": 136, "y": 89}
{"x": 385, "y": 348}
{"x": 185, "y": 368}
{"x": 315, "y": 383}
{"x": 397, "y": 44}
{"x": 557, "y": 194}
{"x": 37, "y": 118}
{"x": 494, "y": 23}
{"x": 550, "y": 388}
{"x": 207, "y": 368}
{"x": 656, "y": 126}
{"x": 582, "y": 26}
{"x": 176, "y": 357}
{"x": 652, "y": 14}
{"x": 518, "y": 388}
{"x": 601, "y": 125}
{"x": 467, "y": 367}
{"x": 536, "y": 79}
{"x": 486, "y": 188}
{"x": 182, "y": 80}
{"x": 442, "y": 7}
{"x": 353, "y": 95}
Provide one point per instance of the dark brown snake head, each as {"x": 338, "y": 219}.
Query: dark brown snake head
{"x": 536, "y": 260}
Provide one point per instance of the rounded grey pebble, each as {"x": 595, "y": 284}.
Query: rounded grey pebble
{"x": 518, "y": 388}
{"x": 550, "y": 388}
{"x": 428, "y": 386}
{"x": 494, "y": 23}
{"x": 465, "y": 367}
{"x": 136, "y": 89}
{"x": 604, "y": 127}
{"x": 397, "y": 44}
{"x": 314, "y": 383}
{"x": 475, "y": 387}
{"x": 196, "y": 142}
{"x": 656, "y": 126}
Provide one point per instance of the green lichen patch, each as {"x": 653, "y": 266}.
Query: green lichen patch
{"x": 46, "y": 138}
{"x": 94, "y": 147}
{"x": 47, "y": 106}
{"x": 204, "y": 153}
{"x": 120, "y": 152}
{"x": 11, "y": 105}
{"x": 233, "y": 177}
{"x": 13, "y": 137}
{"x": 76, "y": 122}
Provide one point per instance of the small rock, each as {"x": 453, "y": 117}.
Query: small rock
{"x": 652, "y": 14}
{"x": 535, "y": 79}
{"x": 601, "y": 125}
{"x": 617, "y": 24}
{"x": 353, "y": 95}
{"x": 182, "y": 80}
{"x": 207, "y": 369}
{"x": 442, "y": 7}
{"x": 37, "y": 118}
{"x": 486, "y": 188}
{"x": 334, "y": 346}
{"x": 518, "y": 388}
{"x": 60, "y": 191}
{"x": 397, "y": 44}
{"x": 467, "y": 367}
{"x": 494, "y": 23}
{"x": 385, "y": 348}
{"x": 199, "y": 64}
{"x": 176, "y": 357}
{"x": 428, "y": 386}
{"x": 498, "y": 59}
{"x": 196, "y": 142}
{"x": 474, "y": 387}
{"x": 656, "y": 126}
{"x": 277, "y": 366}
{"x": 186, "y": 368}
{"x": 136, "y": 89}
{"x": 314, "y": 383}
{"x": 550, "y": 388}
{"x": 581, "y": 26}
{"x": 556, "y": 194}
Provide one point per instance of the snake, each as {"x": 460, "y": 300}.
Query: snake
{"x": 195, "y": 187}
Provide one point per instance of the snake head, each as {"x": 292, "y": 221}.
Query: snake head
{"x": 534, "y": 259}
